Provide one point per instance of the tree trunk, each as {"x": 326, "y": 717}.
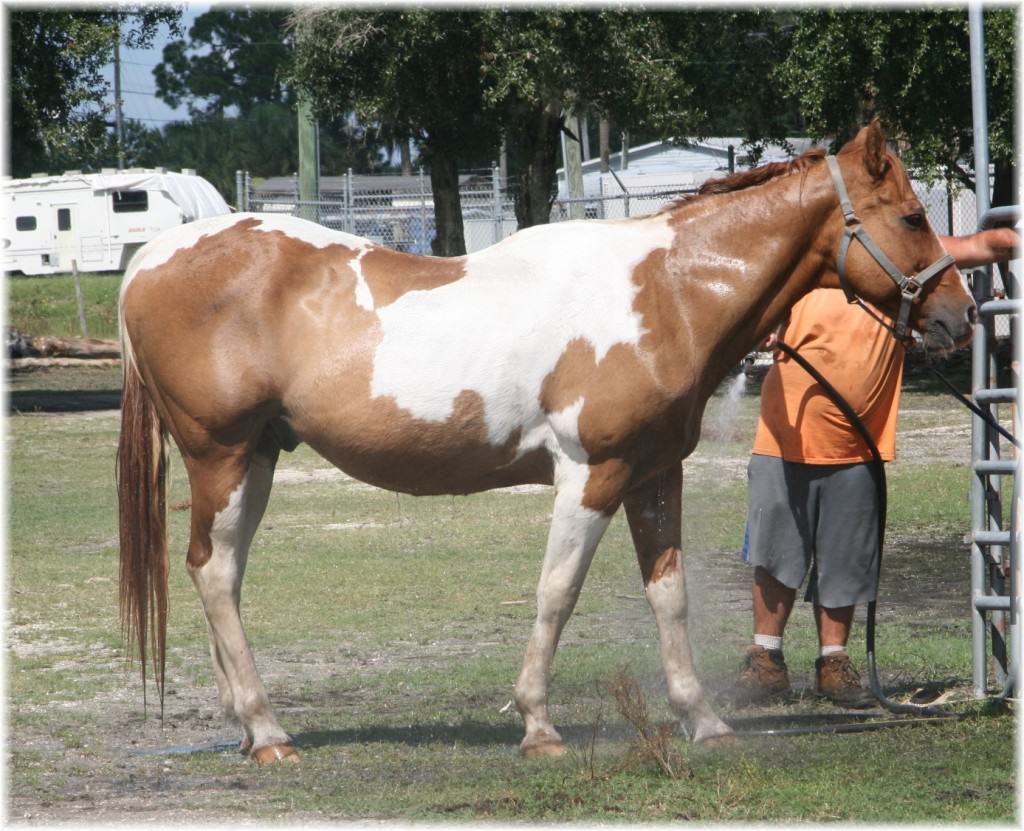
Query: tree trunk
{"x": 450, "y": 240}
{"x": 406, "y": 155}
{"x": 536, "y": 145}
{"x": 1004, "y": 187}
{"x": 1004, "y": 192}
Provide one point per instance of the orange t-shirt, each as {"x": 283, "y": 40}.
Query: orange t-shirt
{"x": 862, "y": 360}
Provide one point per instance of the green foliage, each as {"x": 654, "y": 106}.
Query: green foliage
{"x": 616, "y": 63}
{"x": 909, "y": 67}
{"x": 729, "y": 58}
{"x": 233, "y": 58}
{"x": 59, "y": 99}
{"x": 416, "y": 71}
{"x": 46, "y": 305}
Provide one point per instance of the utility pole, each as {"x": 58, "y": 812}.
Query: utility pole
{"x": 118, "y": 115}
{"x": 572, "y": 157}
{"x": 309, "y": 160}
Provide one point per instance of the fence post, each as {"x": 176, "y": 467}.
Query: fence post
{"x": 350, "y": 207}
{"x": 496, "y": 202}
{"x": 239, "y": 190}
{"x": 423, "y": 214}
{"x": 78, "y": 298}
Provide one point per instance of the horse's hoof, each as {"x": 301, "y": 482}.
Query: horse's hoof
{"x": 245, "y": 746}
{"x": 541, "y": 748}
{"x": 272, "y": 753}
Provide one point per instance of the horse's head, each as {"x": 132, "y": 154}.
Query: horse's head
{"x": 887, "y": 252}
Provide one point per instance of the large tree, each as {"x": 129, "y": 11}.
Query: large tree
{"x": 231, "y": 59}
{"x": 264, "y": 140}
{"x": 461, "y": 82}
{"x": 230, "y": 71}
{"x": 912, "y": 69}
{"x": 415, "y": 71}
{"x": 728, "y": 59}
{"x": 541, "y": 64}
{"x": 60, "y": 101}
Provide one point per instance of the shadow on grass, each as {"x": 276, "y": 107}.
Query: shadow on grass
{"x": 63, "y": 389}
{"x": 62, "y": 401}
{"x": 473, "y": 733}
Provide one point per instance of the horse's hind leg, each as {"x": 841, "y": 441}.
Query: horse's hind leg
{"x": 654, "y": 512}
{"x": 230, "y": 490}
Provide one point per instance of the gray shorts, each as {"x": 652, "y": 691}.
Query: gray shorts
{"x": 821, "y": 519}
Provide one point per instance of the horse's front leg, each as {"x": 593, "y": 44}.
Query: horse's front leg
{"x": 575, "y": 532}
{"x": 654, "y": 511}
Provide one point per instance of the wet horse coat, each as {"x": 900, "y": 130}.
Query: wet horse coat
{"x": 579, "y": 355}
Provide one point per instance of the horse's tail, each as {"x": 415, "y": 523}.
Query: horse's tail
{"x": 142, "y": 512}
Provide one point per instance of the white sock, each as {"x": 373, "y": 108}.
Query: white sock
{"x": 768, "y": 641}
{"x": 831, "y": 650}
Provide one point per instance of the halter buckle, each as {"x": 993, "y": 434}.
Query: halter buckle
{"x": 910, "y": 289}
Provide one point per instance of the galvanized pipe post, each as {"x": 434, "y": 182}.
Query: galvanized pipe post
{"x": 350, "y": 203}
{"x": 979, "y": 355}
{"x": 239, "y": 190}
{"x": 497, "y": 224}
{"x": 988, "y": 559}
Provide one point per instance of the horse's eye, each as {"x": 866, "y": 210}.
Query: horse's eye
{"x": 915, "y": 221}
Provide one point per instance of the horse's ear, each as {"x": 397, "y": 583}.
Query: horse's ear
{"x": 876, "y": 159}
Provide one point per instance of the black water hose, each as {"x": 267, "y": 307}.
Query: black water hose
{"x": 877, "y": 468}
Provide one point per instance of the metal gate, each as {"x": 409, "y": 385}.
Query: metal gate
{"x": 995, "y": 572}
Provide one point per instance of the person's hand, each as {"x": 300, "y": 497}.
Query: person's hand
{"x": 983, "y": 248}
{"x": 773, "y": 337}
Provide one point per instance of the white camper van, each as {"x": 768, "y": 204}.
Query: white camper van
{"x": 98, "y": 220}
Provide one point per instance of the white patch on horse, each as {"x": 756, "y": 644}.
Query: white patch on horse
{"x": 364, "y": 297}
{"x": 158, "y": 251}
{"x": 313, "y": 233}
{"x": 719, "y": 288}
{"x": 501, "y": 329}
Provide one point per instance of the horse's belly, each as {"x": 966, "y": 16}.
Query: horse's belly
{"x": 379, "y": 443}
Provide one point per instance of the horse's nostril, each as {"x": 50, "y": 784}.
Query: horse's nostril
{"x": 972, "y": 314}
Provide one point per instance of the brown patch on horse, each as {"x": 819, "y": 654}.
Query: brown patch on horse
{"x": 387, "y": 446}
{"x": 389, "y": 274}
{"x": 605, "y": 485}
{"x": 664, "y": 565}
{"x": 214, "y": 479}
{"x": 563, "y": 386}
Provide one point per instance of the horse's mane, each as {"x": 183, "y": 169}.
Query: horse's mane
{"x": 755, "y": 176}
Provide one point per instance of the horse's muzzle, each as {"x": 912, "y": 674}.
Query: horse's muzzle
{"x": 947, "y": 333}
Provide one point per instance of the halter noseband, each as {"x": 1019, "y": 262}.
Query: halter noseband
{"x": 910, "y": 287}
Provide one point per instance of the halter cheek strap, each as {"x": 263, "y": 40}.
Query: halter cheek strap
{"x": 910, "y": 287}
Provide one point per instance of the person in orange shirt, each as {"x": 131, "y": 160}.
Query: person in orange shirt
{"x": 812, "y": 504}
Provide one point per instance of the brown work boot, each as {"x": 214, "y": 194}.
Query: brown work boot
{"x": 763, "y": 675}
{"x": 839, "y": 682}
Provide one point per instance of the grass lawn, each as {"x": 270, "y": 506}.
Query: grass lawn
{"x": 46, "y": 305}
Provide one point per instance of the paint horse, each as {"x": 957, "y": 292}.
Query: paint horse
{"x": 579, "y": 355}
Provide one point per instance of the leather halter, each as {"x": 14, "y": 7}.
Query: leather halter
{"x": 910, "y": 287}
